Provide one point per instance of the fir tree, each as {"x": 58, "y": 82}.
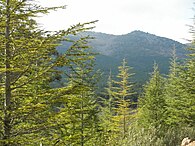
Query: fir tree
{"x": 80, "y": 105}
{"x": 27, "y": 64}
{"x": 122, "y": 92}
{"x": 173, "y": 92}
{"x": 179, "y": 94}
{"x": 107, "y": 112}
{"x": 117, "y": 115}
{"x": 152, "y": 104}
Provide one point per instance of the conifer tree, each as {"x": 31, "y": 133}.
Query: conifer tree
{"x": 116, "y": 113}
{"x": 188, "y": 83}
{"x": 80, "y": 105}
{"x": 179, "y": 116}
{"x": 173, "y": 92}
{"x": 107, "y": 112}
{"x": 152, "y": 104}
{"x": 179, "y": 94}
{"x": 186, "y": 104}
{"x": 122, "y": 92}
{"x": 27, "y": 64}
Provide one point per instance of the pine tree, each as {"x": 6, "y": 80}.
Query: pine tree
{"x": 27, "y": 64}
{"x": 152, "y": 104}
{"x": 80, "y": 105}
{"x": 122, "y": 92}
{"x": 107, "y": 105}
{"x": 173, "y": 92}
{"x": 187, "y": 97}
{"x": 188, "y": 84}
{"x": 116, "y": 113}
{"x": 179, "y": 94}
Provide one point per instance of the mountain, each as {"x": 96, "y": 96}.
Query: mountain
{"x": 140, "y": 49}
{"x": 137, "y": 43}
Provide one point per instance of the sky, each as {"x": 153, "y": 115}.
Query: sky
{"x": 166, "y": 18}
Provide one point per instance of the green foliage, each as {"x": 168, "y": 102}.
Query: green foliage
{"x": 151, "y": 105}
{"x": 122, "y": 92}
{"x": 34, "y": 113}
{"x": 179, "y": 94}
{"x": 107, "y": 106}
{"x": 80, "y": 105}
{"x": 168, "y": 105}
{"x": 173, "y": 92}
{"x": 27, "y": 65}
{"x": 140, "y": 50}
{"x": 116, "y": 114}
{"x": 139, "y": 136}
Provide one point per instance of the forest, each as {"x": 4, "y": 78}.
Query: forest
{"x": 34, "y": 111}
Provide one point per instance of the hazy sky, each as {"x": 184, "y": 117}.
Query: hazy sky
{"x": 167, "y": 18}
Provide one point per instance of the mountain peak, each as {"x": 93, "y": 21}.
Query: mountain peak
{"x": 137, "y": 32}
{"x": 136, "y": 41}
{"x": 140, "y": 49}
{"x": 142, "y": 33}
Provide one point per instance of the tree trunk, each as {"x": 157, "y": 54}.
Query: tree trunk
{"x": 7, "y": 103}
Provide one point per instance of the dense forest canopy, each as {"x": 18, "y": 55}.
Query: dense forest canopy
{"x": 36, "y": 111}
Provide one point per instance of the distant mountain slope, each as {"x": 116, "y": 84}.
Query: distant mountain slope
{"x": 138, "y": 42}
{"x": 139, "y": 48}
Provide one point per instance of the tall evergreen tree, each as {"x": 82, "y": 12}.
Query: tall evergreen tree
{"x": 179, "y": 93}
{"x": 117, "y": 114}
{"x": 107, "y": 112}
{"x": 187, "y": 96}
{"x": 26, "y": 66}
{"x": 173, "y": 92}
{"x": 152, "y": 104}
{"x": 188, "y": 84}
{"x": 82, "y": 124}
{"x": 122, "y": 92}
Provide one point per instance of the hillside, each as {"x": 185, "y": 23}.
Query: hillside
{"x": 139, "y": 48}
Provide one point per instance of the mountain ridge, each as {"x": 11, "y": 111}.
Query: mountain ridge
{"x": 141, "y": 50}
{"x": 132, "y": 32}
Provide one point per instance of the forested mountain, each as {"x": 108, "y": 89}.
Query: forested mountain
{"x": 139, "y": 48}
{"x": 136, "y": 43}
{"x": 75, "y": 113}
